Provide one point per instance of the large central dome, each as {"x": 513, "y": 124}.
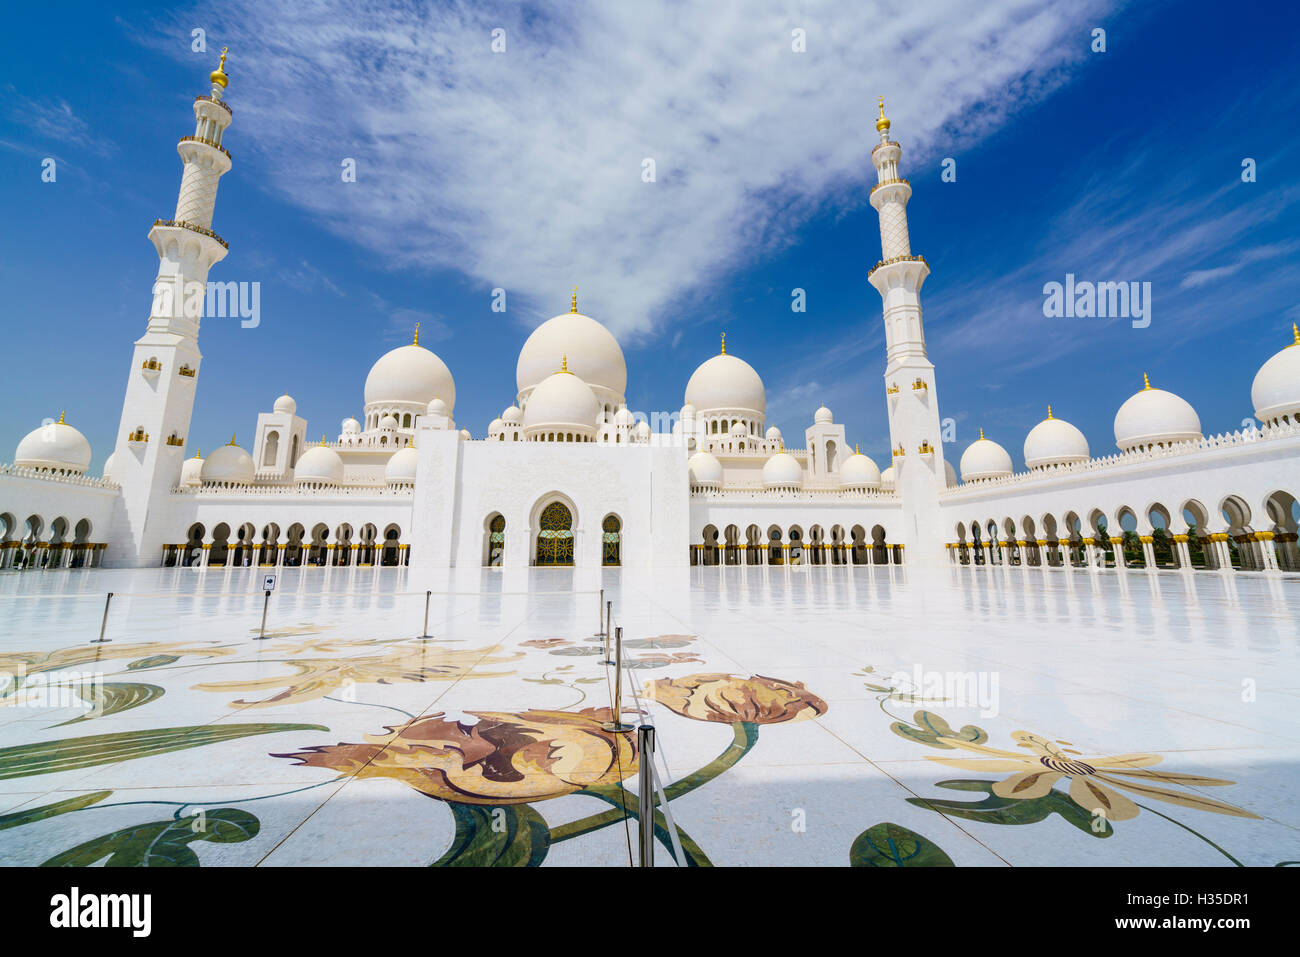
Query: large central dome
{"x": 726, "y": 383}
{"x": 592, "y": 352}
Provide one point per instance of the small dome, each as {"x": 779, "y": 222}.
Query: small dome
{"x": 688, "y": 411}
{"x": 705, "y": 471}
{"x": 286, "y": 404}
{"x": 108, "y": 468}
{"x": 319, "y": 465}
{"x": 949, "y": 474}
{"x": 512, "y": 415}
{"x": 191, "y": 471}
{"x": 623, "y": 418}
{"x": 228, "y": 465}
{"x": 562, "y": 403}
{"x": 410, "y": 374}
{"x": 388, "y": 422}
{"x": 496, "y": 427}
{"x": 887, "y": 480}
{"x": 642, "y": 431}
{"x": 1155, "y": 417}
{"x": 984, "y": 459}
{"x": 823, "y": 416}
{"x": 464, "y": 434}
{"x": 593, "y": 354}
{"x": 56, "y": 446}
{"x": 400, "y": 469}
{"x": 726, "y": 383}
{"x": 1054, "y": 442}
{"x": 1276, "y": 390}
{"x": 782, "y": 470}
{"x": 351, "y": 427}
{"x": 773, "y": 434}
{"x": 437, "y": 407}
{"x": 858, "y": 471}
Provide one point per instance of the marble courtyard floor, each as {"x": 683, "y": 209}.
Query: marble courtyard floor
{"x": 805, "y": 716}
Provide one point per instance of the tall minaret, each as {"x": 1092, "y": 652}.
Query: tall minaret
{"x": 164, "y": 369}
{"x": 910, "y": 396}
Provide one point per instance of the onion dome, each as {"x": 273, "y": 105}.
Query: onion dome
{"x": 642, "y": 432}
{"x": 350, "y": 427}
{"x": 887, "y": 480}
{"x": 191, "y": 470}
{"x": 401, "y": 466}
{"x": 1054, "y": 442}
{"x": 286, "y": 404}
{"x": 705, "y": 471}
{"x": 562, "y": 403}
{"x": 984, "y": 459}
{"x": 1275, "y": 392}
{"x": 512, "y": 415}
{"x": 726, "y": 383}
{"x": 464, "y": 434}
{"x": 409, "y": 374}
{"x": 823, "y": 416}
{"x": 108, "y": 468}
{"x": 624, "y": 418}
{"x": 773, "y": 434}
{"x": 437, "y": 406}
{"x": 495, "y": 428}
{"x": 739, "y": 431}
{"x": 858, "y": 471}
{"x": 594, "y": 355}
{"x": 949, "y": 474}
{"x": 688, "y": 411}
{"x": 56, "y": 447}
{"x": 228, "y": 465}
{"x": 319, "y": 465}
{"x": 782, "y": 470}
{"x": 387, "y": 423}
{"x": 1155, "y": 417}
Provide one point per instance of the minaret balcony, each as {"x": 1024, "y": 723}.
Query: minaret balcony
{"x": 186, "y": 371}
{"x": 918, "y": 385}
{"x": 206, "y": 142}
{"x": 898, "y": 259}
{"x": 925, "y": 448}
{"x": 192, "y": 228}
{"x": 175, "y": 440}
{"x": 138, "y": 438}
{"x": 891, "y": 182}
{"x": 883, "y": 145}
{"x": 211, "y": 99}
{"x": 151, "y": 368}
{"x": 892, "y": 390}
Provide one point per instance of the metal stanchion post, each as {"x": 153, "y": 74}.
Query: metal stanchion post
{"x": 616, "y": 723}
{"x": 426, "y": 634}
{"x": 600, "y": 612}
{"x": 645, "y": 742}
{"x": 103, "y": 624}
{"x": 609, "y": 625}
{"x": 266, "y": 601}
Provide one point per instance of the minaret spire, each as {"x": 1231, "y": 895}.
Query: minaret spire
{"x": 162, "y": 403}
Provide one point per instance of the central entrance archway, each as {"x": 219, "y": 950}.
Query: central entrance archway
{"x": 555, "y": 535}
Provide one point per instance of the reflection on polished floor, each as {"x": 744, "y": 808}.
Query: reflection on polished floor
{"x": 871, "y": 715}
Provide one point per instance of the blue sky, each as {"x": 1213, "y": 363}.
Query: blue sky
{"x": 522, "y": 170}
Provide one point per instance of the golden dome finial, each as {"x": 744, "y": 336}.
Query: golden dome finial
{"x": 564, "y": 364}
{"x": 856, "y": 450}
{"x": 981, "y": 432}
{"x": 232, "y": 438}
{"x": 1146, "y": 383}
{"x": 573, "y": 304}
{"x": 882, "y": 123}
{"x": 322, "y": 438}
{"x": 218, "y": 76}
{"x": 416, "y": 340}
{"x": 724, "y": 343}
{"x": 61, "y": 414}
{"x": 1049, "y": 411}
{"x": 198, "y": 453}
{"x": 1295, "y": 331}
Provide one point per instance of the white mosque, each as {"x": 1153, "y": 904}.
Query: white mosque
{"x": 567, "y": 475}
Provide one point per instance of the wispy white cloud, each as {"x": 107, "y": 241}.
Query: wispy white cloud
{"x": 52, "y": 124}
{"x": 523, "y": 169}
